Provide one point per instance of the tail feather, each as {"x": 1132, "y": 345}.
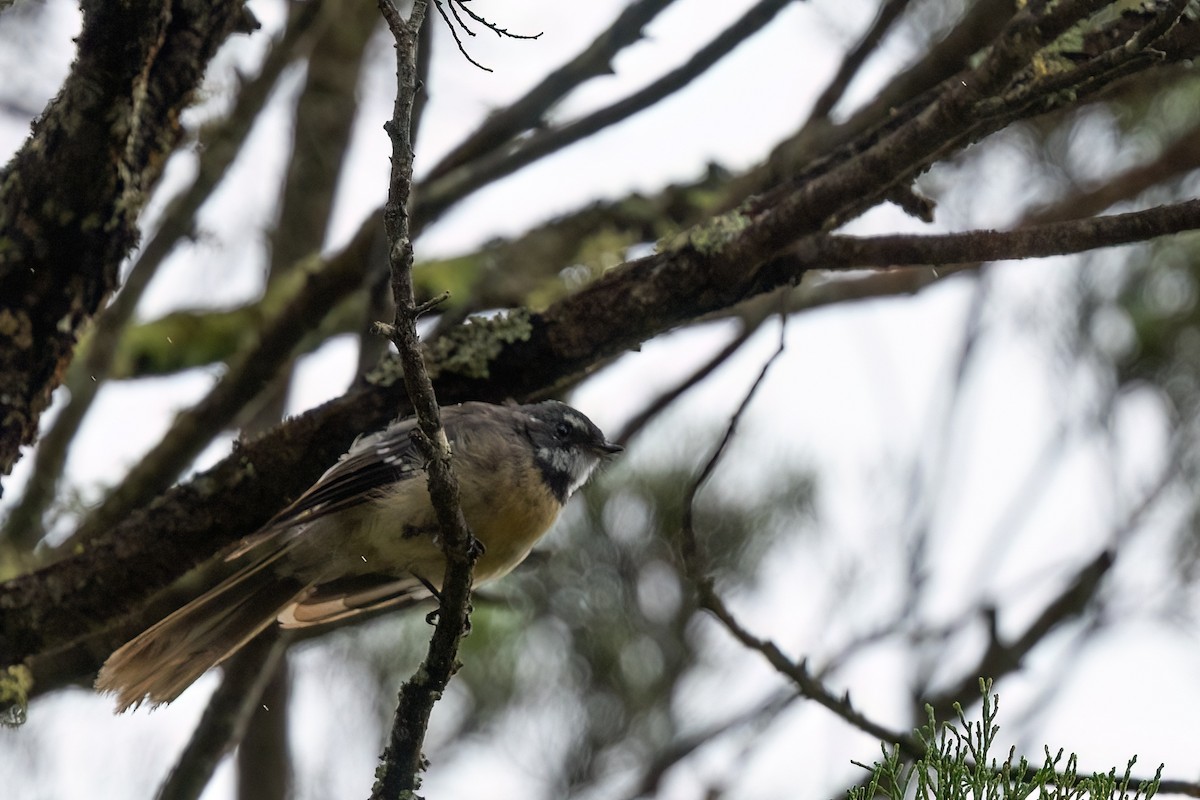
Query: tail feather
{"x": 169, "y": 656}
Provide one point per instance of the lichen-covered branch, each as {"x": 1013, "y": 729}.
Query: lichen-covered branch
{"x": 70, "y": 198}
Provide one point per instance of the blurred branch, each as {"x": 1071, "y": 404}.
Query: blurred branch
{"x": 528, "y": 112}
{"x": 220, "y": 142}
{"x": 399, "y": 772}
{"x": 249, "y": 371}
{"x": 378, "y": 305}
{"x": 526, "y": 270}
{"x": 889, "y": 12}
{"x": 660, "y": 403}
{"x": 436, "y": 196}
{"x": 1176, "y": 160}
{"x": 981, "y": 23}
{"x": 711, "y": 601}
{"x": 1002, "y": 658}
{"x": 324, "y": 119}
{"x": 225, "y": 719}
{"x": 651, "y": 778}
{"x": 264, "y": 758}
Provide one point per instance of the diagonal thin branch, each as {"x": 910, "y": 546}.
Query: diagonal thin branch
{"x": 711, "y": 601}
{"x": 224, "y": 722}
{"x": 438, "y": 195}
{"x": 889, "y": 12}
{"x": 527, "y": 112}
{"x": 660, "y": 403}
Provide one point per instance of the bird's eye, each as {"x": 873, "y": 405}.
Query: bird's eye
{"x": 562, "y": 430}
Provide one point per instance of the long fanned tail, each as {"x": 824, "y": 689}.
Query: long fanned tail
{"x": 168, "y": 657}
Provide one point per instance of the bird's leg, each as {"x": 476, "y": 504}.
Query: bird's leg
{"x": 432, "y": 617}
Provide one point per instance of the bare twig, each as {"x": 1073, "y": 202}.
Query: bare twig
{"x": 528, "y": 112}
{"x": 711, "y": 601}
{"x": 454, "y": 32}
{"x": 461, "y": 5}
{"x": 458, "y": 5}
{"x": 656, "y": 406}
{"x": 402, "y": 762}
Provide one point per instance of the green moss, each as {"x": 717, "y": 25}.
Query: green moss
{"x": 470, "y": 348}
{"x": 708, "y": 238}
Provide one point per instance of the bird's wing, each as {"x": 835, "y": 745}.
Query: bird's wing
{"x": 373, "y": 461}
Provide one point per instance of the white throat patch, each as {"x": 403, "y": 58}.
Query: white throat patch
{"x": 573, "y": 462}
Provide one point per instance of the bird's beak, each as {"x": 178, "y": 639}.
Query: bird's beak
{"x": 609, "y": 448}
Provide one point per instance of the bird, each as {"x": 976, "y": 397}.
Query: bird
{"x": 364, "y": 538}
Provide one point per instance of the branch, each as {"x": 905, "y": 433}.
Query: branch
{"x": 711, "y": 601}
{"x": 436, "y": 196}
{"x": 980, "y": 25}
{"x": 1035, "y": 241}
{"x": 889, "y": 12}
{"x": 220, "y": 143}
{"x": 1001, "y": 658}
{"x": 1176, "y": 160}
{"x": 457, "y": 9}
{"x": 70, "y": 197}
{"x": 604, "y": 319}
{"x": 249, "y": 372}
{"x": 527, "y": 112}
{"x": 402, "y": 762}
{"x": 664, "y": 400}
{"x": 844, "y": 185}
{"x": 228, "y": 713}
{"x": 625, "y": 307}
